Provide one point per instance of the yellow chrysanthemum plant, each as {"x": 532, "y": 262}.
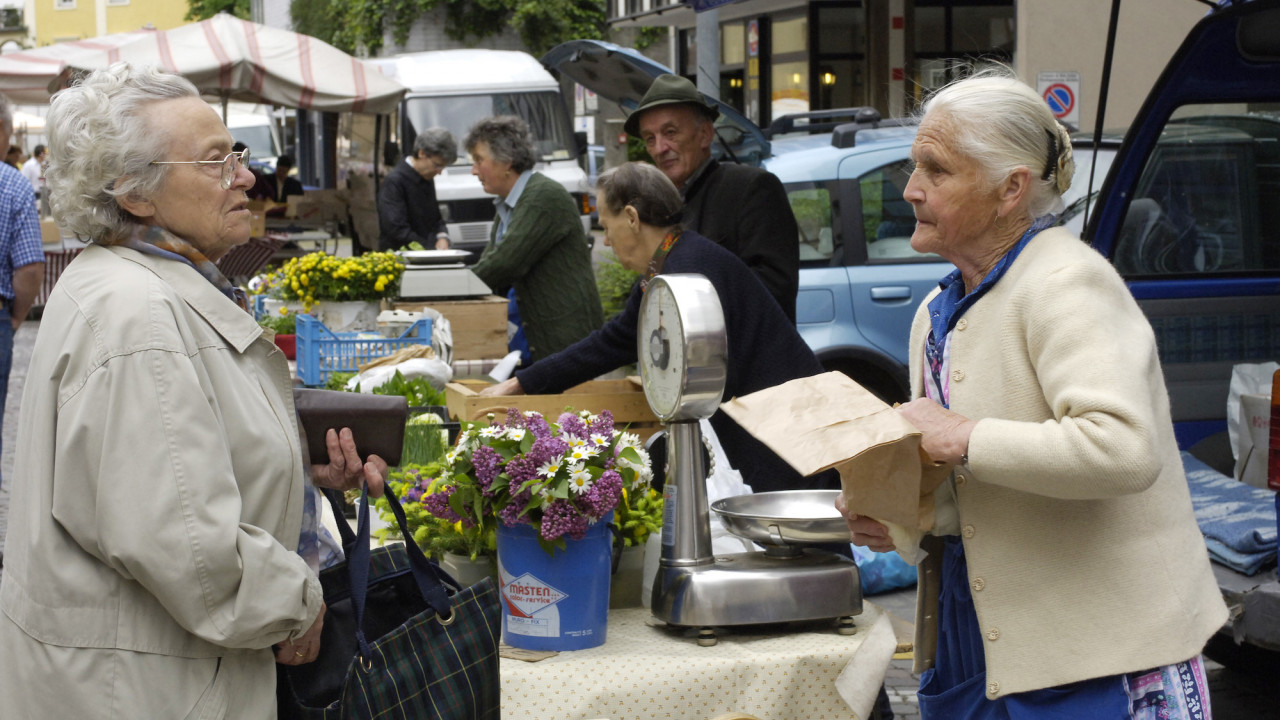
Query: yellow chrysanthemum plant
{"x": 321, "y": 276}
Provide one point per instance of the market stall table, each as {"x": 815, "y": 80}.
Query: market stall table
{"x": 648, "y": 670}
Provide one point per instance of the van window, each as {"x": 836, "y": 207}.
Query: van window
{"x": 544, "y": 111}
{"x": 1208, "y": 200}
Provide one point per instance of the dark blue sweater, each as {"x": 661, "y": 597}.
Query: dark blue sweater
{"x": 764, "y": 350}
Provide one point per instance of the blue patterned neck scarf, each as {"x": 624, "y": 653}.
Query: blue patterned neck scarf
{"x": 947, "y": 306}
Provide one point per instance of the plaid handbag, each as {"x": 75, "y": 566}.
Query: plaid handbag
{"x": 435, "y": 652}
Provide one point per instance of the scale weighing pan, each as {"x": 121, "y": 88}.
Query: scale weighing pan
{"x": 784, "y": 517}
{"x": 433, "y": 257}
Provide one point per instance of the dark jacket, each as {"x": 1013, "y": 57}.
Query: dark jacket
{"x": 745, "y": 209}
{"x": 764, "y": 350}
{"x": 407, "y": 210}
{"x": 292, "y": 186}
{"x": 544, "y": 255}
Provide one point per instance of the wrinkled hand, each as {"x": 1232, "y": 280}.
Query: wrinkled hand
{"x": 944, "y": 435}
{"x": 306, "y": 647}
{"x": 868, "y": 533}
{"x": 510, "y": 386}
{"x": 442, "y": 242}
{"x": 345, "y": 471}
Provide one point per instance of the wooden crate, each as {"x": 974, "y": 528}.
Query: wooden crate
{"x": 623, "y": 398}
{"x": 479, "y": 325}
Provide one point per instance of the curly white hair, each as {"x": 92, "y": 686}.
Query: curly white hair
{"x": 101, "y": 145}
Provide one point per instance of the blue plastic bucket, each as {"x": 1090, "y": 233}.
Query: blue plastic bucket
{"x": 558, "y": 602}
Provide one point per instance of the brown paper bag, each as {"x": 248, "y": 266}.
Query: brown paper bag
{"x": 829, "y": 420}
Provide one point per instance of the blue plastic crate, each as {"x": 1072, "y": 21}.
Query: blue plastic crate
{"x": 259, "y": 306}
{"x": 321, "y": 351}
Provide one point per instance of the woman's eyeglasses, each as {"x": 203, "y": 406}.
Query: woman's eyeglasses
{"x": 230, "y": 165}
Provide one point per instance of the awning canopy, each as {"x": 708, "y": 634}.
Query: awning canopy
{"x": 225, "y": 57}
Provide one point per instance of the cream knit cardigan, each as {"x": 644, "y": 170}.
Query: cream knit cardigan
{"x": 1084, "y": 555}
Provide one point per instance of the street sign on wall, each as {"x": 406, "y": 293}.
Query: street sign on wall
{"x": 1061, "y": 92}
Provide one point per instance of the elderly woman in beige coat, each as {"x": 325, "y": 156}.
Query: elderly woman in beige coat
{"x": 1073, "y": 580}
{"x": 152, "y": 567}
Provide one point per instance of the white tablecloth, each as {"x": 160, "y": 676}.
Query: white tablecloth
{"x": 647, "y": 670}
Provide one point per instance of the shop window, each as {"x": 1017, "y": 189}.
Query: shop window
{"x": 733, "y": 43}
{"x": 790, "y": 83}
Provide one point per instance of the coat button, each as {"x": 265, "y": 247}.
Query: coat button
{"x": 993, "y": 634}
{"x": 961, "y": 480}
{"x": 967, "y": 531}
{"x": 957, "y": 375}
{"x": 962, "y": 323}
{"x": 993, "y": 688}
{"x": 979, "y": 584}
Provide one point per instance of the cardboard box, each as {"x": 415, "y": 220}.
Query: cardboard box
{"x": 624, "y": 398}
{"x": 318, "y": 206}
{"x": 49, "y": 232}
{"x": 479, "y": 325}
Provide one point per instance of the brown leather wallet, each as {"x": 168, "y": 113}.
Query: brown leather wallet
{"x": 376, "y": 421}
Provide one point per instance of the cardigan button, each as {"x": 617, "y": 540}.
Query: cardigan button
{"x": 962, "y": 323}
{"x": 993, "y": 688}
{"x": 979, "y": 584}
{"x": 967, "y": 531}
{"x": 961, "y": 480}
{"x": 957, "y": 375}
{"x": 993, "y": 634}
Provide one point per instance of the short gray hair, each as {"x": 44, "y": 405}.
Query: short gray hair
{"x": 1001, "y": 124}
{"x": 645, "y": 188}
{"x": 102, "y": 144}
{"x": 436, "y": 142}
{"x": 508, "y": 139}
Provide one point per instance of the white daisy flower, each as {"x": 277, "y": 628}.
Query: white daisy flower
{"x": 600, "y": 441}
{"x": 580, "y": 480}
{"x": 492, "y": 431}
{"x": 549, "y": 468}
{"x": 516, "y": 434}
{"x": 629, "y": 440}
{"x": 582, "y": 453}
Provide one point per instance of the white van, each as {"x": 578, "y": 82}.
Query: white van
{"x": 455, "y": 88}
{"x": 252, "y": 125}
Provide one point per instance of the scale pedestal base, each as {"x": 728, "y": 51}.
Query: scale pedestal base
{"x": 754, "y": 588}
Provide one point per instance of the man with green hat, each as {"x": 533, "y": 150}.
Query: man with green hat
{"x": 743, "y": 208}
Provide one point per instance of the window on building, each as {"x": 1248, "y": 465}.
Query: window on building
{"x": 64, "y": 4}
{"x": 117, "y": 2}
{"x": 10, "y": 18}
{"x": 789, "y": 75}
{"x": 952, "y": 36}
{"x": 839, "y": 63}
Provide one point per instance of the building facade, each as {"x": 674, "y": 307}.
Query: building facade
{"x": 52, "y": 21}
{"x": 787, "y": 56}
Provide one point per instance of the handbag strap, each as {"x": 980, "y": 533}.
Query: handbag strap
{"x": 431, "y": 580}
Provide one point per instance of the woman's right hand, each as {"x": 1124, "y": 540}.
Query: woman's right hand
{"x": 510, "y": 386}
{"x": 867, "y": 532}
{"x": 306, "y": 647}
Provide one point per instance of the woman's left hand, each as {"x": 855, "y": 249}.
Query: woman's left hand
{"x": 944, "y": 435}
{"x": 345, "y": 471}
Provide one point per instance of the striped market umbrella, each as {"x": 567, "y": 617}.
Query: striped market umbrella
{"x": 225, "y": 57}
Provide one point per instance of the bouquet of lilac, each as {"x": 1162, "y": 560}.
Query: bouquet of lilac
{"x": 560, "y": 477}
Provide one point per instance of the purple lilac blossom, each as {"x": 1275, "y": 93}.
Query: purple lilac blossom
{"x": 537, "y": 425}
{"x": 572, "y": 425}
{"x": 515, "y": 418}
{"x": 546, "y": 449}
{"x": 487, "y": 463}
{"x": 603, "y": 495}
{"x": 603, "y": 424}
{"x": 438, "y": 504}
{"x": 562, "y": 518}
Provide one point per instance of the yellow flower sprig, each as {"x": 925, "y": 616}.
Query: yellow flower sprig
{"x": 321, "y": 276}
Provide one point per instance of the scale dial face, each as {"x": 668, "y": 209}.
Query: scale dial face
{"x": 681, "y": 347}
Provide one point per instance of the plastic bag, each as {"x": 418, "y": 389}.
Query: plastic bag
{"x": 1248, "y": 420}
{"x": 882, "y": 572}
{"x": 433, "y": 369}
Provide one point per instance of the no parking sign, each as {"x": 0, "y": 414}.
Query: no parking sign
{"x": 1061, "y": 92}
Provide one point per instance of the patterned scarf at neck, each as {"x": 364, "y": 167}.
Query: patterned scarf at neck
{"x": 659, "y": 257}
{"x": 152, "y": 240}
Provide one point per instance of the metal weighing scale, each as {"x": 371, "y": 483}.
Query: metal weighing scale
{"x": 430, "y": 274}
{"x": 682, "y": 352}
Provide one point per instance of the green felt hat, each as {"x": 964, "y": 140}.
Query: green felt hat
{"x": 668, "y": 90}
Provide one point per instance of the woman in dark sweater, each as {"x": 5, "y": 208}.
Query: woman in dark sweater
{"x": 537, "y": 246}
{"x": 640, "y": 212}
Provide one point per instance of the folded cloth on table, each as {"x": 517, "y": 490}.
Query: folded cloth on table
{"x": 1238, "y": 520}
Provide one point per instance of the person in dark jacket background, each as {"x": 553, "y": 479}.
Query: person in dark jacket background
{"x": 744, "y": 209}
{"x": 640, "y": 211}
{"x": 280, "y": 183}
{"x": 407, "y": 207}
